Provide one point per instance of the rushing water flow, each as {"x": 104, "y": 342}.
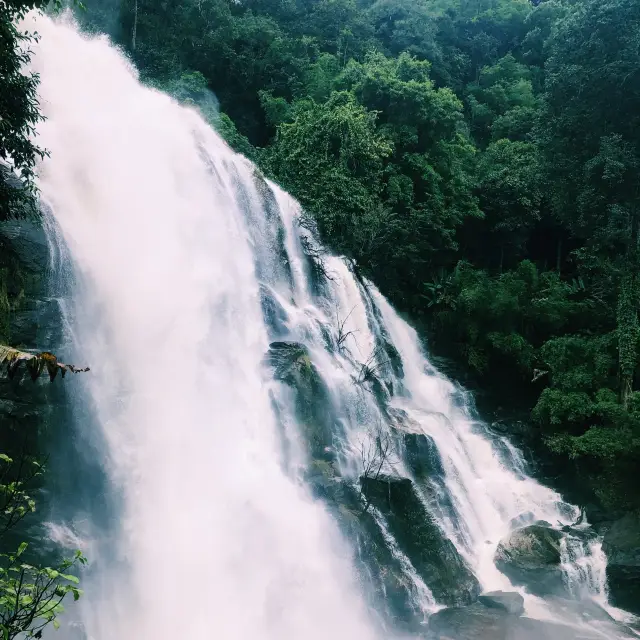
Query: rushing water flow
{"x": 190, "y": 269}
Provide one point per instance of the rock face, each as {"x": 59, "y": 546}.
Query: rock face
{"x": 29, "y": 319}
{"x": 508, "y": 601}
{"x": 422, "y": 456}
{"x": 622, "y": 545}
{"x": 292, "y": 365}
{"x": 479, "y": 622}
{"x": 434, "y": 557}
{"x": 476, "y": 622}
{"x": 531, "y": 556}
{"x": 391, "y": 592}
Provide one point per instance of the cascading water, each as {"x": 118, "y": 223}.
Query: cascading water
{"x": 254, "y": 395}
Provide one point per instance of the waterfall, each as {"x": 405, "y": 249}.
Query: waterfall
{"x": 256, "y": 399}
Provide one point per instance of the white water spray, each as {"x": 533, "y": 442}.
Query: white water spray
{"x": 176, "y": 243}
{"x": 217, "y": 540}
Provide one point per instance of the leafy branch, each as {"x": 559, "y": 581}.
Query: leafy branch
{"x": 35, "y": 363}
{"x": 15, "y": 503}
{"x": 31, "y": 597}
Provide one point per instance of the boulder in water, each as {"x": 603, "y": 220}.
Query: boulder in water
{"x": 275, "y": 316}
{"x": 508, "y": 601}
{"x": 422, "y": 455}
{"x": 292, "y": 365}
{"x": 622, "y": 545}
{"x": 478, "y": 622}
{"x": 392, "y": 591}
{"x": 475, "y": 622}
{"x": 433, "y": 555}
{"x": 531, "y": 556}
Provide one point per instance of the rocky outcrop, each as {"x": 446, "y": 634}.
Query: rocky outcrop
{"x": 422, "y": 455}
{"x": 508, "y": 601}
{"x": 434, "y": 557}
{"x": 530, "y": 556}
{"x": 292, "y": 365}
{"x": 478, "y": 622}
{"x": 275, "y": 316}
{"x": 622, "y": 545}
{"x": 391, "y": 591}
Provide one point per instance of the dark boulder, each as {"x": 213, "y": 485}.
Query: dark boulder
{"x": 292, "y": 365}
{"x": 478, "y": 622}
{"x": 389, "y": 590}
{"x": 434, "y": 556}
{"x": 422, "y": 455}
{"x": 531, "y": 556}
{"x": 275, "y": 316}
{"x": 475, "y": 622}
{"x": 622, "y": 545}
{"x": 508, "y": 601}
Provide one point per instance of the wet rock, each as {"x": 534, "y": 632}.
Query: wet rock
{"x": 38, "y": 323}
{"x": 400, "y": 420}
{"x": 434, "y": 557}
{"x": 515, "y": 428}
{"x": 622, "y": 545}
{"x": 508, "y": 601}
{"x": 292, "y": 365}
{"x": 581, "y": 610}
{"x": 478, "y": 622}
{"x": 422, "y": 455}
{"x": 390, "y": 591}
{"x": 394, "y": 358}
{"x": 583, "y": 533}
{"x": 275, "y": 316}
{"x": 522, "y": 520}
{"x": 420, "y": 450}
{"x": 28, "y": 242}
{"x": 531, "y": 556}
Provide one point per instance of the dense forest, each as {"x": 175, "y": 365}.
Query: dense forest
{"x": 477, "y": 159}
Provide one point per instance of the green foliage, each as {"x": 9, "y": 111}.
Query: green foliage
{"x": 510, "y": 193}
{"x": 332, "y": 157}
{"x": 502, "y": 101}
{"x": 580, "y": 362}
{"x": 19, "y": 112}
{"x": 31, "y": 596}
{"x": 505, "y": 318}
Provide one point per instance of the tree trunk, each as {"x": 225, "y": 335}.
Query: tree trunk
{"x": 135, "y": 27}
{"x": 627, "y": 320}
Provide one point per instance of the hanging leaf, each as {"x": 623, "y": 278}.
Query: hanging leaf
{"x": 35, "y": 363}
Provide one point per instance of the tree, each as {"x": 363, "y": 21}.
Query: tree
{"x": 510, "y": 195}
{"x": 592, "y": 140}
{"x": 428, "y": 178}
{"x": 19, "y": 112}
{"x": 31, "y": 596}
{"x": 331, "y": 155}
{"x": 502, "y": 102}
